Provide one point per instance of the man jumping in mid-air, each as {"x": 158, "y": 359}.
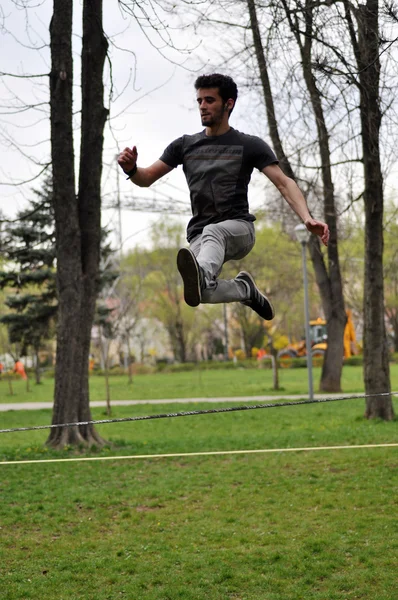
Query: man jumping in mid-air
{"x": 218, "y": 163}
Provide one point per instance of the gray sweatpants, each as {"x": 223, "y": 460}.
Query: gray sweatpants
{"x": 218, "y": 243}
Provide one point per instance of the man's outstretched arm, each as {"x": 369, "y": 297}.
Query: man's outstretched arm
{"x": 293, "y": 196}
{"x": 141, "y": 176}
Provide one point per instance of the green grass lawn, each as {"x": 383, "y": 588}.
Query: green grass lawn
{"x": 286, "y": 526}
{"x": 194, "y": 384}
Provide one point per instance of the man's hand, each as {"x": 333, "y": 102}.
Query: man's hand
{"x": 294, "y": 197}
{"x": 128, "y": 158}
{"x": 319, "y": 228}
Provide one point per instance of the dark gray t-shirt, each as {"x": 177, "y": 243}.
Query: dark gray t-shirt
{"x": 218, "y": 171}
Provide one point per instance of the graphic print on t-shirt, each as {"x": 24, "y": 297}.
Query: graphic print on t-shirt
{"x": 212, "y": 173}
{"x": 218, "y": 171}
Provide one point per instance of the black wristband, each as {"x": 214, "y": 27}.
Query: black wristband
{"x": 132, "y": 171}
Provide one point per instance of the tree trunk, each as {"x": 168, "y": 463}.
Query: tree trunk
{"x": 94, "y": 116}
{"x": 275, "y": 367}
{"x": 105, "y": 359}
{"x": 37, "y": 367}
{"x": 330, "y": 284}
{"x": 76, "y": 219}
{"x": 321, "y": 274}
{"x": 177, "y": 335}
{"x": 376, "y": 359}
{"x": 27, "y": 384}
{"x": 130, "y": 360}
{"x": 181, "y": 344}
{"x": 10, "y": 387}
{"x": 335, "y": 313}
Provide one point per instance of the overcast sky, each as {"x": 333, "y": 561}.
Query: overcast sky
{"x": 154, "y": 103}
{"x": 150, "y": 112}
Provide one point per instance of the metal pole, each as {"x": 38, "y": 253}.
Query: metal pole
{"x": 307, "y": 323}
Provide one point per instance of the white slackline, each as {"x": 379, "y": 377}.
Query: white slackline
{"x": 186, "y": 454}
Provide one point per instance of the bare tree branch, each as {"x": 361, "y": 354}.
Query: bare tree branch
{"x": 24, "y": 76}
{"x": 25, "y": 181}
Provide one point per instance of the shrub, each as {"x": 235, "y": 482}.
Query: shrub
{"x": 354, "y": 361}
{"x": 299, "y": 363}
{"x": 240, "y": 354}
{"x": 211, "y": 365}
{"x": 179, "y": 367}
{"x": 264, "y": 363}
{"x": 202, "y": 366}
{"x": 48, "y": 372}
{"x": 137, "y": 369}
{"x": 140, "y": 369}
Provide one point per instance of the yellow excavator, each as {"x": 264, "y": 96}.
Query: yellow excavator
{"x": 318, "y": 336}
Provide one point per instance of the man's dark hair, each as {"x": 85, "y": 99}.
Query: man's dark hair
{"x": 227, "y": 87}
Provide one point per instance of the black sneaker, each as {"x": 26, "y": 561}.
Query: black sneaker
{"x": 258, "y": 301}
{"x": 191, "y": 275}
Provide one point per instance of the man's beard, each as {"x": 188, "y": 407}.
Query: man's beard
{"x": 211, "y": 120}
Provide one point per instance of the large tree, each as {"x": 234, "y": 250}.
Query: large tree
{"x": 77, "y": 215}
{"x": 359, "y": 66}
{"x": 328, "y": 279}
{"x": 366, "y": 42}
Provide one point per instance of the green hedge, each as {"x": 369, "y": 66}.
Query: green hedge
{"x": 354, "y": 361}
{"x": 211, "y": 365}
{"x": 298, "y": 363}
{"x": 394, "y": 357}
{"x": 163, "y": 366}
{"x": 138, "y": 369}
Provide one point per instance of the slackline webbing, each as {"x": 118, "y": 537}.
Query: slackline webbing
{"x": 192, "y": 413}
{"x": 192, "y": 454}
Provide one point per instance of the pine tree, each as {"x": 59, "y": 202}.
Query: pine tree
{"x": 29, "y": 249}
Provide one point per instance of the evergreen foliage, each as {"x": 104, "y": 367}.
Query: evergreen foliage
{"x": 28, "y": 245}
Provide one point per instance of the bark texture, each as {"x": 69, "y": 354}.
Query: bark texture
{"x": 376, "y": 359}
{"x": 335, "y": 308}
{"x": 77, "y": 217}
